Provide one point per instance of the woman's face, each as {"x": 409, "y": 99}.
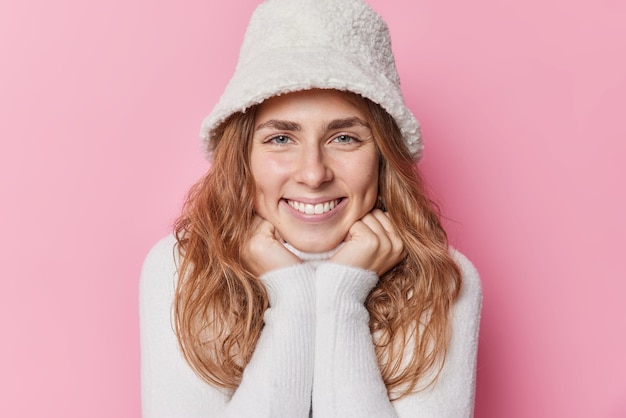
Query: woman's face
{"x": 315, "y": 165}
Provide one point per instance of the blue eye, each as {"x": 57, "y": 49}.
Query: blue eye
{"x": 280, "y": 139}
{"x": 345, "y": 139}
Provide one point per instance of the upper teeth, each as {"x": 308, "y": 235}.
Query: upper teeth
{"x": 310, "y": 209}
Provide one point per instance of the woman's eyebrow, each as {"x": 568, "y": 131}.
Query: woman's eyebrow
{"x": 281, "y": 125}
{"x": 346, "y": 123}
{"x": 335, "y": 124}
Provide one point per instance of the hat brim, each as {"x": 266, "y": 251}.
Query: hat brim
{"x": 277, "y": 73}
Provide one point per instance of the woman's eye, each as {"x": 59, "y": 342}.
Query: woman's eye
{"x": 280, "y": 139}
{"x": 345, "y": 139}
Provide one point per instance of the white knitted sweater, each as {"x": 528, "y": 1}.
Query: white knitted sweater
{"x": 315, "y": 354}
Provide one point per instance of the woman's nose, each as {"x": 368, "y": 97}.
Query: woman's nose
{"x": 312, "y": 168}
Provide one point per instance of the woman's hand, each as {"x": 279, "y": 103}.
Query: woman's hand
{"x": 372, "y": 244}
{"x": 264, "y": 250}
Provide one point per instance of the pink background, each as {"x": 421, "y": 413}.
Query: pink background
{"x": 522, "y": 106}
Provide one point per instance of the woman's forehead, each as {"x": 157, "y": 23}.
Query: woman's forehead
{"x": 333, "y": 106}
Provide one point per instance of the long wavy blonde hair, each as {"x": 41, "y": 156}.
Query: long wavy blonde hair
{"x": 219, "y": 304}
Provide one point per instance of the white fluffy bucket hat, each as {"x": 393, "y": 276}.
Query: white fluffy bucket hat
{"x": 294, "y": 45}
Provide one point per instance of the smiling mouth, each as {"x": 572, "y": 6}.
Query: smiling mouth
{"x": 316, "y": 209}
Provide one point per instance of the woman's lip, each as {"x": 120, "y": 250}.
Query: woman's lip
{"x": 312, "y": 201}
{"x": 321, "y": 210}
{"x": 313, "y": 208}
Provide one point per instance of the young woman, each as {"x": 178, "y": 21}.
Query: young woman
{"x": 309, "y": 274}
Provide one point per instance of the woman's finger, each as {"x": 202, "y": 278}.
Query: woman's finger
{"x": 373, "y": 223}
{"x": 397, "y": 249}
{"x": 264, "y": 250}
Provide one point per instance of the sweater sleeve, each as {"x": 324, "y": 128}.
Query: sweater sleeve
{"x": 348, "y": 382}
{"x": 276, "y": 382}
{"x": 452, "y": 395}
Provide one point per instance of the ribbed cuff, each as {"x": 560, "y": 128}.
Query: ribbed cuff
{"x": 341, "y": 288}
{"x": 291, "y": 288}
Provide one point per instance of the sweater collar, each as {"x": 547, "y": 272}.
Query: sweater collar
{"x": 304, "y": 256}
